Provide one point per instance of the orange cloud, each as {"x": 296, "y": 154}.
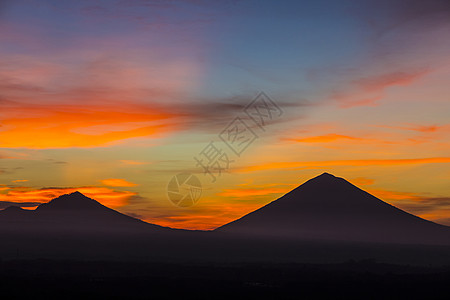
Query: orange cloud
{"x": 373, "y": 138}
{"x": 95, "y": 97}
{"x": 20, "y": 180}
{"x": 108, "y": 197}
{"x": 431, "y": 128}
{"x": 441, "y": 216}
{"x": 362, "y": 181}
{"x": 367, "y": 162}
{"x": 117, "y": 182}
{"x": 389, "y": 195}
{"x": 240, "y": 193}
{"x": 62, "y": 126}
{"x": 133, "y": 162}
{"x": 419, "y": 128}
{"x": 197, "y": 222}
{"x": 212, "y": 215}
{"x": 326, "y": 138}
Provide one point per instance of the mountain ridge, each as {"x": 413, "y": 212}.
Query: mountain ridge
{"x": 71, "y": 213}
{"x": 325, "y": 207}
{"x": 75, "y": 200}
{"x": 331, "y": 208}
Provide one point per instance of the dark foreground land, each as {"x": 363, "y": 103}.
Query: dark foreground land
{"x": 28, "y": 279}
{"x": 326, "y": 239}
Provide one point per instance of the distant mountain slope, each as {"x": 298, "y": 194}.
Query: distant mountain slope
{"x": 72, "y": 213}
{"x": 330, "y": 208}
{"x": 76, "y": 227}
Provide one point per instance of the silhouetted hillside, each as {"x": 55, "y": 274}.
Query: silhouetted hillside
{"x": 324, "y": 220}
{"x": 330, "y": 208}
{"x": 72, "y": 213}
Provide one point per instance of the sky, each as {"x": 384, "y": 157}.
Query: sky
{"x": 116, "y": 98}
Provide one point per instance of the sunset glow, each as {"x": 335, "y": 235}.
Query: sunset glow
{"x": 114, "y": 100}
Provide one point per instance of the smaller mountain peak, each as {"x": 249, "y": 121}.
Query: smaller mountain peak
{"x": 325, "y": 179}
{"x": 325, "y": 174}
{"x": 14, "y": 211}
{"x": 72, "y": 201}
{"x": 14, "y": 208}
{"x": 77, "y": 193}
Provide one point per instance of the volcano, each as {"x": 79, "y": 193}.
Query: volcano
{"x": 331, "y": 208}
{"x": 72, "y": 213}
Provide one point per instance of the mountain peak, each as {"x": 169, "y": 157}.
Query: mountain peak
{"x": 325, "y": 179}
{"x": 72, "y": 213}
{"x": 72, "y": 201}
{"x": 77, "y": 193}
{"x": 325, "y": 175}
{"x": 329, "y": 207}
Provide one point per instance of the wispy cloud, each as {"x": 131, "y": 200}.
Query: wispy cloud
{"x": 134, "y": 162}
{"x": 297, "y": 165}
{"x": 430, "y": 208}
{"x": 368, "y": 90}
{"x": 327, "y": 138}
{"x": 117, "y": 182}
{"x": 418, "y": 127}
{"x": 362, "y": 181}
{"x": 5, "y": 204}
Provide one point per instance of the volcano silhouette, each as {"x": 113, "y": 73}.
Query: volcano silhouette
{"x": 72, "y": 213}
{"x": 323, "y": 208}
{"x": 331, "y": 208}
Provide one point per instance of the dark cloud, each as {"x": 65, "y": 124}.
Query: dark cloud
{"x": 212, "y": 115}
{"x": 386, "y": 15}
{"x": 137, "y": 199}
{"x": 134, "y": 215}
{"x": 445, "y": 221}
{"x": 5, "y": 204}
{"x": 416, "y": 11}
{"x": 9, "y": 170}
{"x": 425, "y": 205}
{"x": 405, "y": 24}
{"x": 57, "y": 162}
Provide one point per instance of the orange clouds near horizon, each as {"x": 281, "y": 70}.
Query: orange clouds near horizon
{"x": 106, "y": 196}
{"x": 430, "y": 208}
{"x": 250, "y": 192}
{"x": 19, "y": 180}
{"x": 207, "y": 218}
{"x": 117, "y": 182}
